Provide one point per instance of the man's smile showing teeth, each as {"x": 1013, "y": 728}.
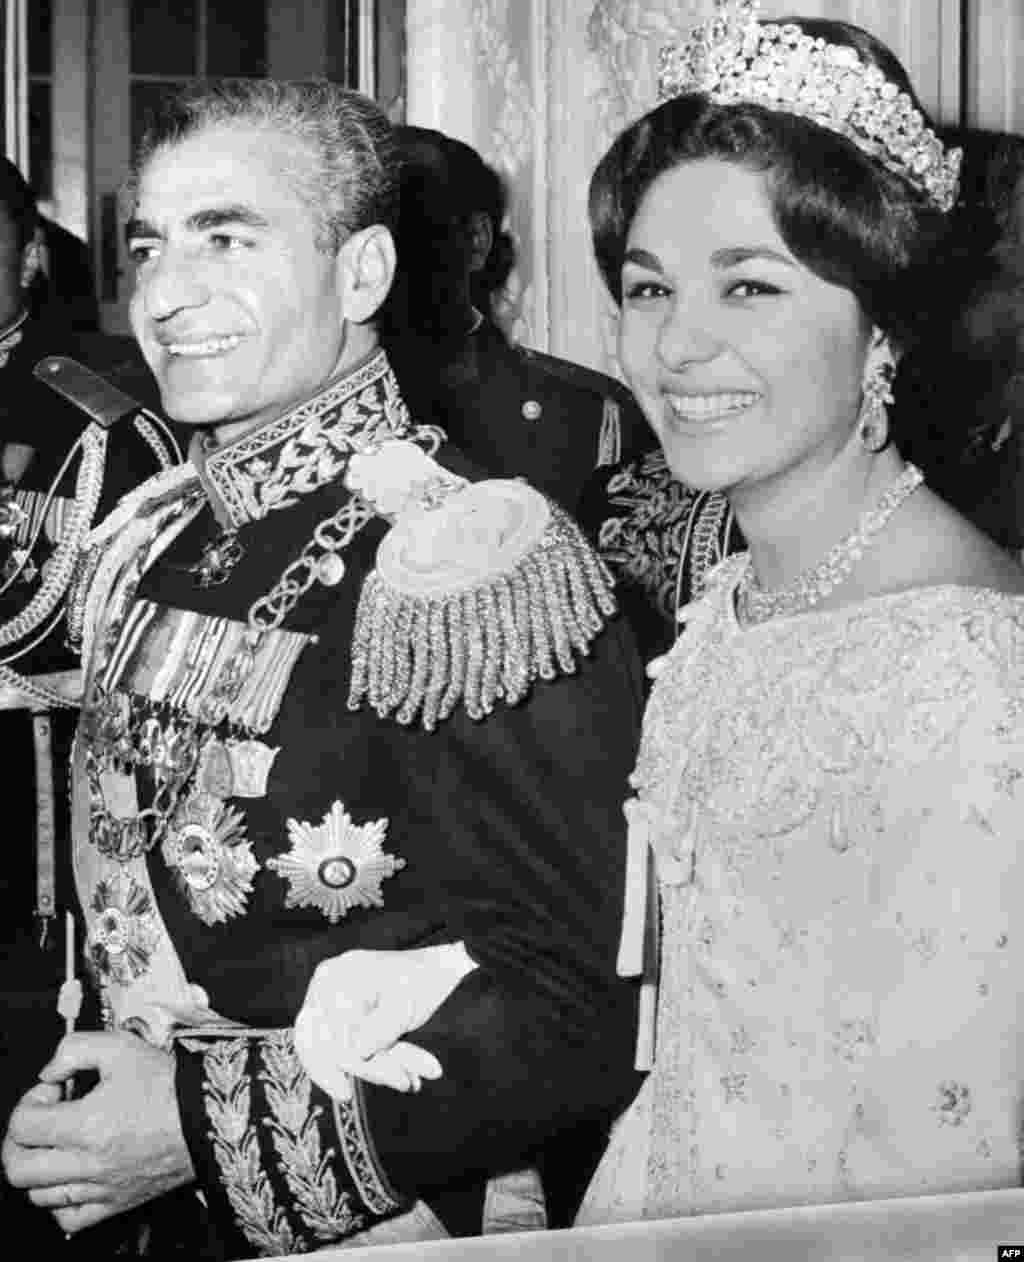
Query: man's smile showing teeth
{"x": 711, "y": 407}
{"x": 209, "y": 346}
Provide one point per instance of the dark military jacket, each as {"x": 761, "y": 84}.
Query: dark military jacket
{"x": 660, "y": 539}
{"x": 33, "y": 415}
{"x": 42, "y": 522}
{"x": 386, "y": 707}
{"x": 516, "y": 411}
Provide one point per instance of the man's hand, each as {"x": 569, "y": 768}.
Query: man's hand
{"x": 359, "y": 1005}
{"x": 115, "y": 1148}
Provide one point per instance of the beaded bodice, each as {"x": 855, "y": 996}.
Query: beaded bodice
{"x": 834, "y": 804}
{"x": 754, "y": 733}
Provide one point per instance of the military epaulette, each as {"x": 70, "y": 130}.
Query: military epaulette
{"x": 577, "y": 375}
{"x": 479, "y": 589}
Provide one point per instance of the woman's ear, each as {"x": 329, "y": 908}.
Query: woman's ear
{"x": 366, "y": 263}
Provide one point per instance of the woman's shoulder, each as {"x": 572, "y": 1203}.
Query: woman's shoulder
{"x": 936, "y": 546}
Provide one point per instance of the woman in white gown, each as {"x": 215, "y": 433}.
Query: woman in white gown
{"x": 831, "y": 779}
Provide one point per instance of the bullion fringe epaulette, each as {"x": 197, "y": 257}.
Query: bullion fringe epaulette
{"x": 474, "y": 600}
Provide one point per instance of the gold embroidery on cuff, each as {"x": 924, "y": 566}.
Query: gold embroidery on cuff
{"x": 295, "y": 1128}
{"x": 357, "y": 1149}
{"x": 227, "y": 1095}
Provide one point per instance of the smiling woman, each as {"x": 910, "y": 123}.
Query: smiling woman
{"x": 747, "y": 364}
{"x": 841, "y": 720}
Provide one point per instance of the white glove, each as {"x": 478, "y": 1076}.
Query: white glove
{"x": 359, "y": 1005}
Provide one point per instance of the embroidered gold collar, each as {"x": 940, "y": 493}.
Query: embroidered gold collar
{"x": 296, "y": 454}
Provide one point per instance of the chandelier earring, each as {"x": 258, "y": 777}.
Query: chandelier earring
{"x": 873, "y": 423}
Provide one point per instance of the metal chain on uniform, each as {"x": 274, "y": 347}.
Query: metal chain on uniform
{"x": 146, "y": 426}
{"x": 319, "y": 559}
{"x": 59, "y": 568}
{"x": 317, "y": 562}
{"x": 130, "y": 838}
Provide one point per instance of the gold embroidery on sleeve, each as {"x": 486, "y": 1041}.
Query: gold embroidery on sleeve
{"x": 325, "y": 1209}
{"x": 228, "y": 1105}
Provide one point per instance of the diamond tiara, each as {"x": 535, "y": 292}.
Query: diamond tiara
{"x": 732, "y": 58}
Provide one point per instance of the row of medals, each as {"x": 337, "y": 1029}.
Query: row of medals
{"x": 190, "y": 773}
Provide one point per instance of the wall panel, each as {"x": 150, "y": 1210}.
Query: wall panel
{"x": 995, "y": 64}
{"x": 540, "y": 87}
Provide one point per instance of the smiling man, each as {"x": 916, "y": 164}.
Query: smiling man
{"x": 348, "y": 780}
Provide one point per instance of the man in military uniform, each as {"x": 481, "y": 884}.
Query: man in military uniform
{"x": 354, "y": 741}
{"x": 513, "y": 410}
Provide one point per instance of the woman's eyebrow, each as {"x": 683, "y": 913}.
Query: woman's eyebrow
{"x": 727, "y": 256}
{"x": 733, "y": 255}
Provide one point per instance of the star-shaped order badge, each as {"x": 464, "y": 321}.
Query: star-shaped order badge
{"x": 212, "y": 860}
{"x": 336, "y": 865}
{"x": 124, "y": 933}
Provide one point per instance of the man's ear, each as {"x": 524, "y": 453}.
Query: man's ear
{"x": 366, "y": 268}
{"x": 481, "y": 239}
{"x": 31, "y": 260}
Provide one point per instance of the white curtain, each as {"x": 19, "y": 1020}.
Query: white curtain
{"x": 540, "y": 87}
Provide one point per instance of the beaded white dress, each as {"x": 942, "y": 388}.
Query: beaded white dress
{"x": 835, "y": 801}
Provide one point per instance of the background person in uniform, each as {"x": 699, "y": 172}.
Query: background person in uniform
{"x": 38, "y": 430}
{"x": 348, "y": 781}
{"x": 515, "y": 411}
{"x": 65, "y": 277}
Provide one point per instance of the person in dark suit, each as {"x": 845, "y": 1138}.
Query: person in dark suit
{"x": 65, "y": 278}
{"x": 514, "y": 410}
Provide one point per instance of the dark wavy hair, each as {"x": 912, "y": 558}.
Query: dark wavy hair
{"x": 349, "y": 179}
{"x": 843, "y": 215}
{"x": 960, "y": 392}
{"x": 480, "y": 187}
{"x": 18, "y": 203}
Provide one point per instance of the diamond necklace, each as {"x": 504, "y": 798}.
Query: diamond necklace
{"x": 807, "y": 589}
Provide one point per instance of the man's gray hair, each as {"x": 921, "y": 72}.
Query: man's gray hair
{"x": 350, "y": 177}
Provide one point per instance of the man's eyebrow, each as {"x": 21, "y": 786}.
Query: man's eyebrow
{"x": 202, "y": 221}
{"x": 221, "y": 216}
{"x": 139, "y": 228}
{"x": 732, "y": 256}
